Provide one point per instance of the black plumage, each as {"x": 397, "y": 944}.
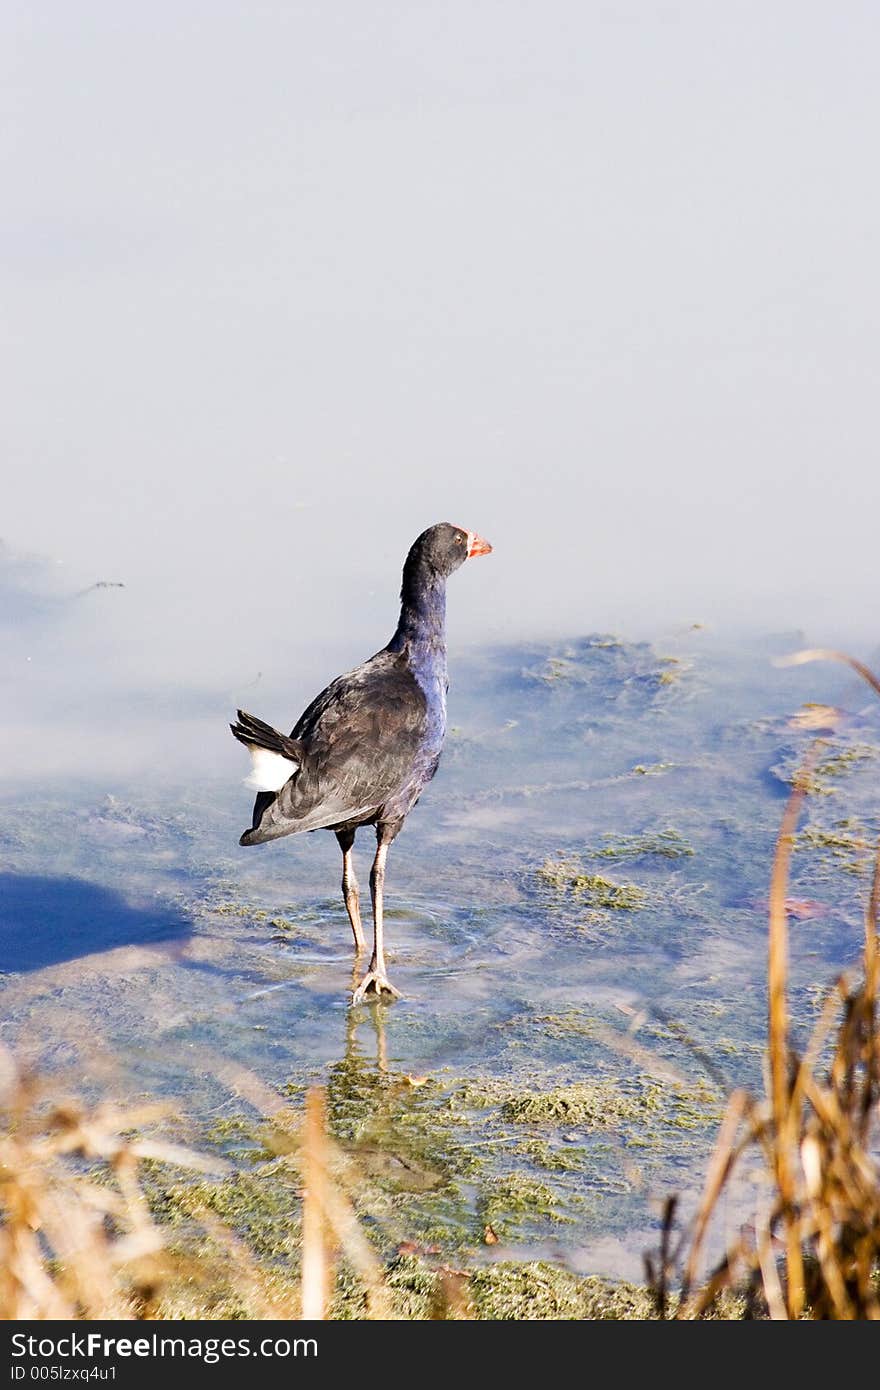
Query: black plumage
{"x": 364, "y": 749}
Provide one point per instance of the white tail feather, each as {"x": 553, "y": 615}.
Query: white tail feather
{"x": 269, "y": 771}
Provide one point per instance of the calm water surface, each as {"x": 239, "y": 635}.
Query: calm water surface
{"x": 141, "y": 947}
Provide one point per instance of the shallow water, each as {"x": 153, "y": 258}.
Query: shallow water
{"x": 142, "y": 948}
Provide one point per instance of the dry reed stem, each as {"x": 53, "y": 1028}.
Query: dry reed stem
{"x": 872, "y": 1041}
{"x": 783, "y": 1095}
{"x": 829, "y": 654}
{"x": 770, "y": 1275}
{"x": 720, "y": 1169}
{"x": 316, "y": 1256}
{"x": 329, "y": 1219}
{"x": 346, "y": 1227}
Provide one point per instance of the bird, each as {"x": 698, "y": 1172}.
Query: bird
{"x": 365, "y": 748}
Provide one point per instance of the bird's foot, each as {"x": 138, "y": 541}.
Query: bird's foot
{"x": 375, "y": 983}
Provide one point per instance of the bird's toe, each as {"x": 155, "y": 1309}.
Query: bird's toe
{"x": 373, "y": 986}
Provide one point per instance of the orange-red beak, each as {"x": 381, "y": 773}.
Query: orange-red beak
{"x": 477, "y": 546}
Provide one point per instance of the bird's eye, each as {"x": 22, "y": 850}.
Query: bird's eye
{"x": 459, "y": 540}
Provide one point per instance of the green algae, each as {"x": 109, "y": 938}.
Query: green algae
{"x": 234, "y": 909}
{"x": 839, "y": 762}
{"x": 395, "y": 1125}
{"x": 510, "y": 1200}
{"x": 641, "y": 1104}
{"x": 507, "y": 1291}
{"x": 696, "y": 1107}
{"x": 608, "y": 665}
{"x": 845, "y": 759}
{"x": 520, "y": 1291}
{"x": 260, "y": 1206}
{"x": 846, "y": 842}
{"x": 567, "y": 877}
{"x": 239, "y": 1138}
{"x": 433, "y": 1163}
{"x": 571, "y": 1023}
{"x": 204, "y": 1276}
{"x": 540, "y": 1291}
{"x": 666, "y": 844}
{"x": 565, "y": 1158}
{"x": 595, "y": 1104}
{"x": 675, "y": 668}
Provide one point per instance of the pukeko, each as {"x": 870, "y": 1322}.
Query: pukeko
{"x": 367, "y": 745}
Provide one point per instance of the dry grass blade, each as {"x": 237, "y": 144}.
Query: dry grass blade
{"x": 343, "y": 1220}
{"x": 316, "y": 1255}
{"x": 829, "y": 654}
{"x": 821, "y": 1030}
{"x": 871, "y": 932}
{"x": 784, "y": 1100}
{"x": 720, "y": 1169}
{"x": 78, "y": 1239}
{"x": 770, "y": 1274}
{"x": 330, "y": 1221}
{"x": 75, "y": 1241}
{"x": 869, "y": 1010}
{"x": 722, "y": 1278}
{"x": 658, "y": 1275}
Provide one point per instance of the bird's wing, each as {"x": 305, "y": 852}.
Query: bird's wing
{"x": 360, "y": 739}
{"x": 364, "y": 730}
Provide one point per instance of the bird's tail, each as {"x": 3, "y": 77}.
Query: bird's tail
{"x": 274, "y": 757}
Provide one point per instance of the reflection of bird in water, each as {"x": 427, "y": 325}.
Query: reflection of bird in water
{"x": 374, "y": 1111}
{"x": 365, "y": 748}
{"x": 366, "y": 1145}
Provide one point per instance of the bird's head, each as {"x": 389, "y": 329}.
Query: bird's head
{"x": 445, "y": 547}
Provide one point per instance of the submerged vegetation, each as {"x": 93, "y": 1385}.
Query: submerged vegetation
{"x": 599, "y": 1104}
{"x": 666, "y": 844}
{"x": 567, "y": 876}
{"x": 845, "y": 842}
{"x": 836, "y": 760}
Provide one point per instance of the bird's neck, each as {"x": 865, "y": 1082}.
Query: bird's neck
{"x": 421, "y": 629}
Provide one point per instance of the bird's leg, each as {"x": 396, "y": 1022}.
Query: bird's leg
{"x": 376, "y": 979}
{"x": 350, "y": 893}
